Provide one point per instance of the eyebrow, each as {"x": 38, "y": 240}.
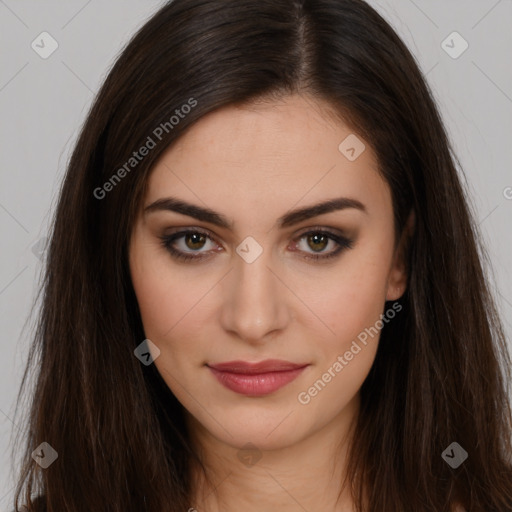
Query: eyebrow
{"x": 289, "y": 219}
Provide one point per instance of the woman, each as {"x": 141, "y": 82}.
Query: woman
{"x": 263, "y": 288}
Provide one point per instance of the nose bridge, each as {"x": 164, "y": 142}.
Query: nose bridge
{"x": 255, "y": 305}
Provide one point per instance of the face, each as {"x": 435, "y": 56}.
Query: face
{"x": 239, "y": 267}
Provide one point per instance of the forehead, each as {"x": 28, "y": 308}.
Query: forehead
{"x": 257, "y": 156}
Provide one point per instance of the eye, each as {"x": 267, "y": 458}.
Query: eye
{"x": 318, "y": 240}
{"x": 188, "y": 245}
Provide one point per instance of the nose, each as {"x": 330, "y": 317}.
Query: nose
{"x": 255, "y": 301}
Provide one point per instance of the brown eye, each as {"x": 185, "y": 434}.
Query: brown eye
{"x": 318, "y": 241}
{"x": 195, "y": 241}
{"x": 188, "y": 245}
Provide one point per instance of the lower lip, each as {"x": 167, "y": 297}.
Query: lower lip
{"x": 256, "y": 385}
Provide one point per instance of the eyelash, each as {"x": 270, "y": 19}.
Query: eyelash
{"x": 343, "y": 243}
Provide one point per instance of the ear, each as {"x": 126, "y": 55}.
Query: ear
{"x": 397, "y": 278}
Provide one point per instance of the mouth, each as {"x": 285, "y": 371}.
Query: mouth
{"x": 256, "y": 379}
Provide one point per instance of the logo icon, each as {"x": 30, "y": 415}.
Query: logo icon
{"x": 146, "y": 352}
{"x": 249, "y": 250}
{"x": 44, "y": 45}
{"x": 39, "y": 247}
{"x": 45, "y": 455}
{"x": 454, "y": 45}
{"x": 454, "y": 455}
{"x": 249, "y": 454}
{"x": 351, "y": 147}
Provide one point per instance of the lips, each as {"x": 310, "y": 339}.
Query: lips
{"x": 256, "y": 379}
{"x": 247, "y": 368}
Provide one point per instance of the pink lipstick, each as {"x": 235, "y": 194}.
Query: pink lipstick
{"x": 256, "y": 379}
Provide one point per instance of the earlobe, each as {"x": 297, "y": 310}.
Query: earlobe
{"x": 397, "y": 280}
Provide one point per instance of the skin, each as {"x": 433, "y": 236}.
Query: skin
{"x": 253, "y": 165}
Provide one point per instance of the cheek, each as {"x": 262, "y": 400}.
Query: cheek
{"x": 351, "y": 297}
{"x": 352, "y": 308}
{"x": 352, "y": 302}
{"x": 167, "y": 300}
{"x": 170, "y": 308}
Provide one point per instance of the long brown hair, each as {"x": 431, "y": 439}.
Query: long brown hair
{"x": 442, "y": 367}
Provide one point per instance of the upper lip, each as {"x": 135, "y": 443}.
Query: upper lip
{"x": 245, "y": 367}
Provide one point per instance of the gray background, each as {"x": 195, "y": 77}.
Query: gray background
{"x": 44, "y": 101}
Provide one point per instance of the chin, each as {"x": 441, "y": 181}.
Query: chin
{"x": 265, "y": 431}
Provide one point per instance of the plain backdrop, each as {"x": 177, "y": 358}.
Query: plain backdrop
{"x": 43, "y": 103}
